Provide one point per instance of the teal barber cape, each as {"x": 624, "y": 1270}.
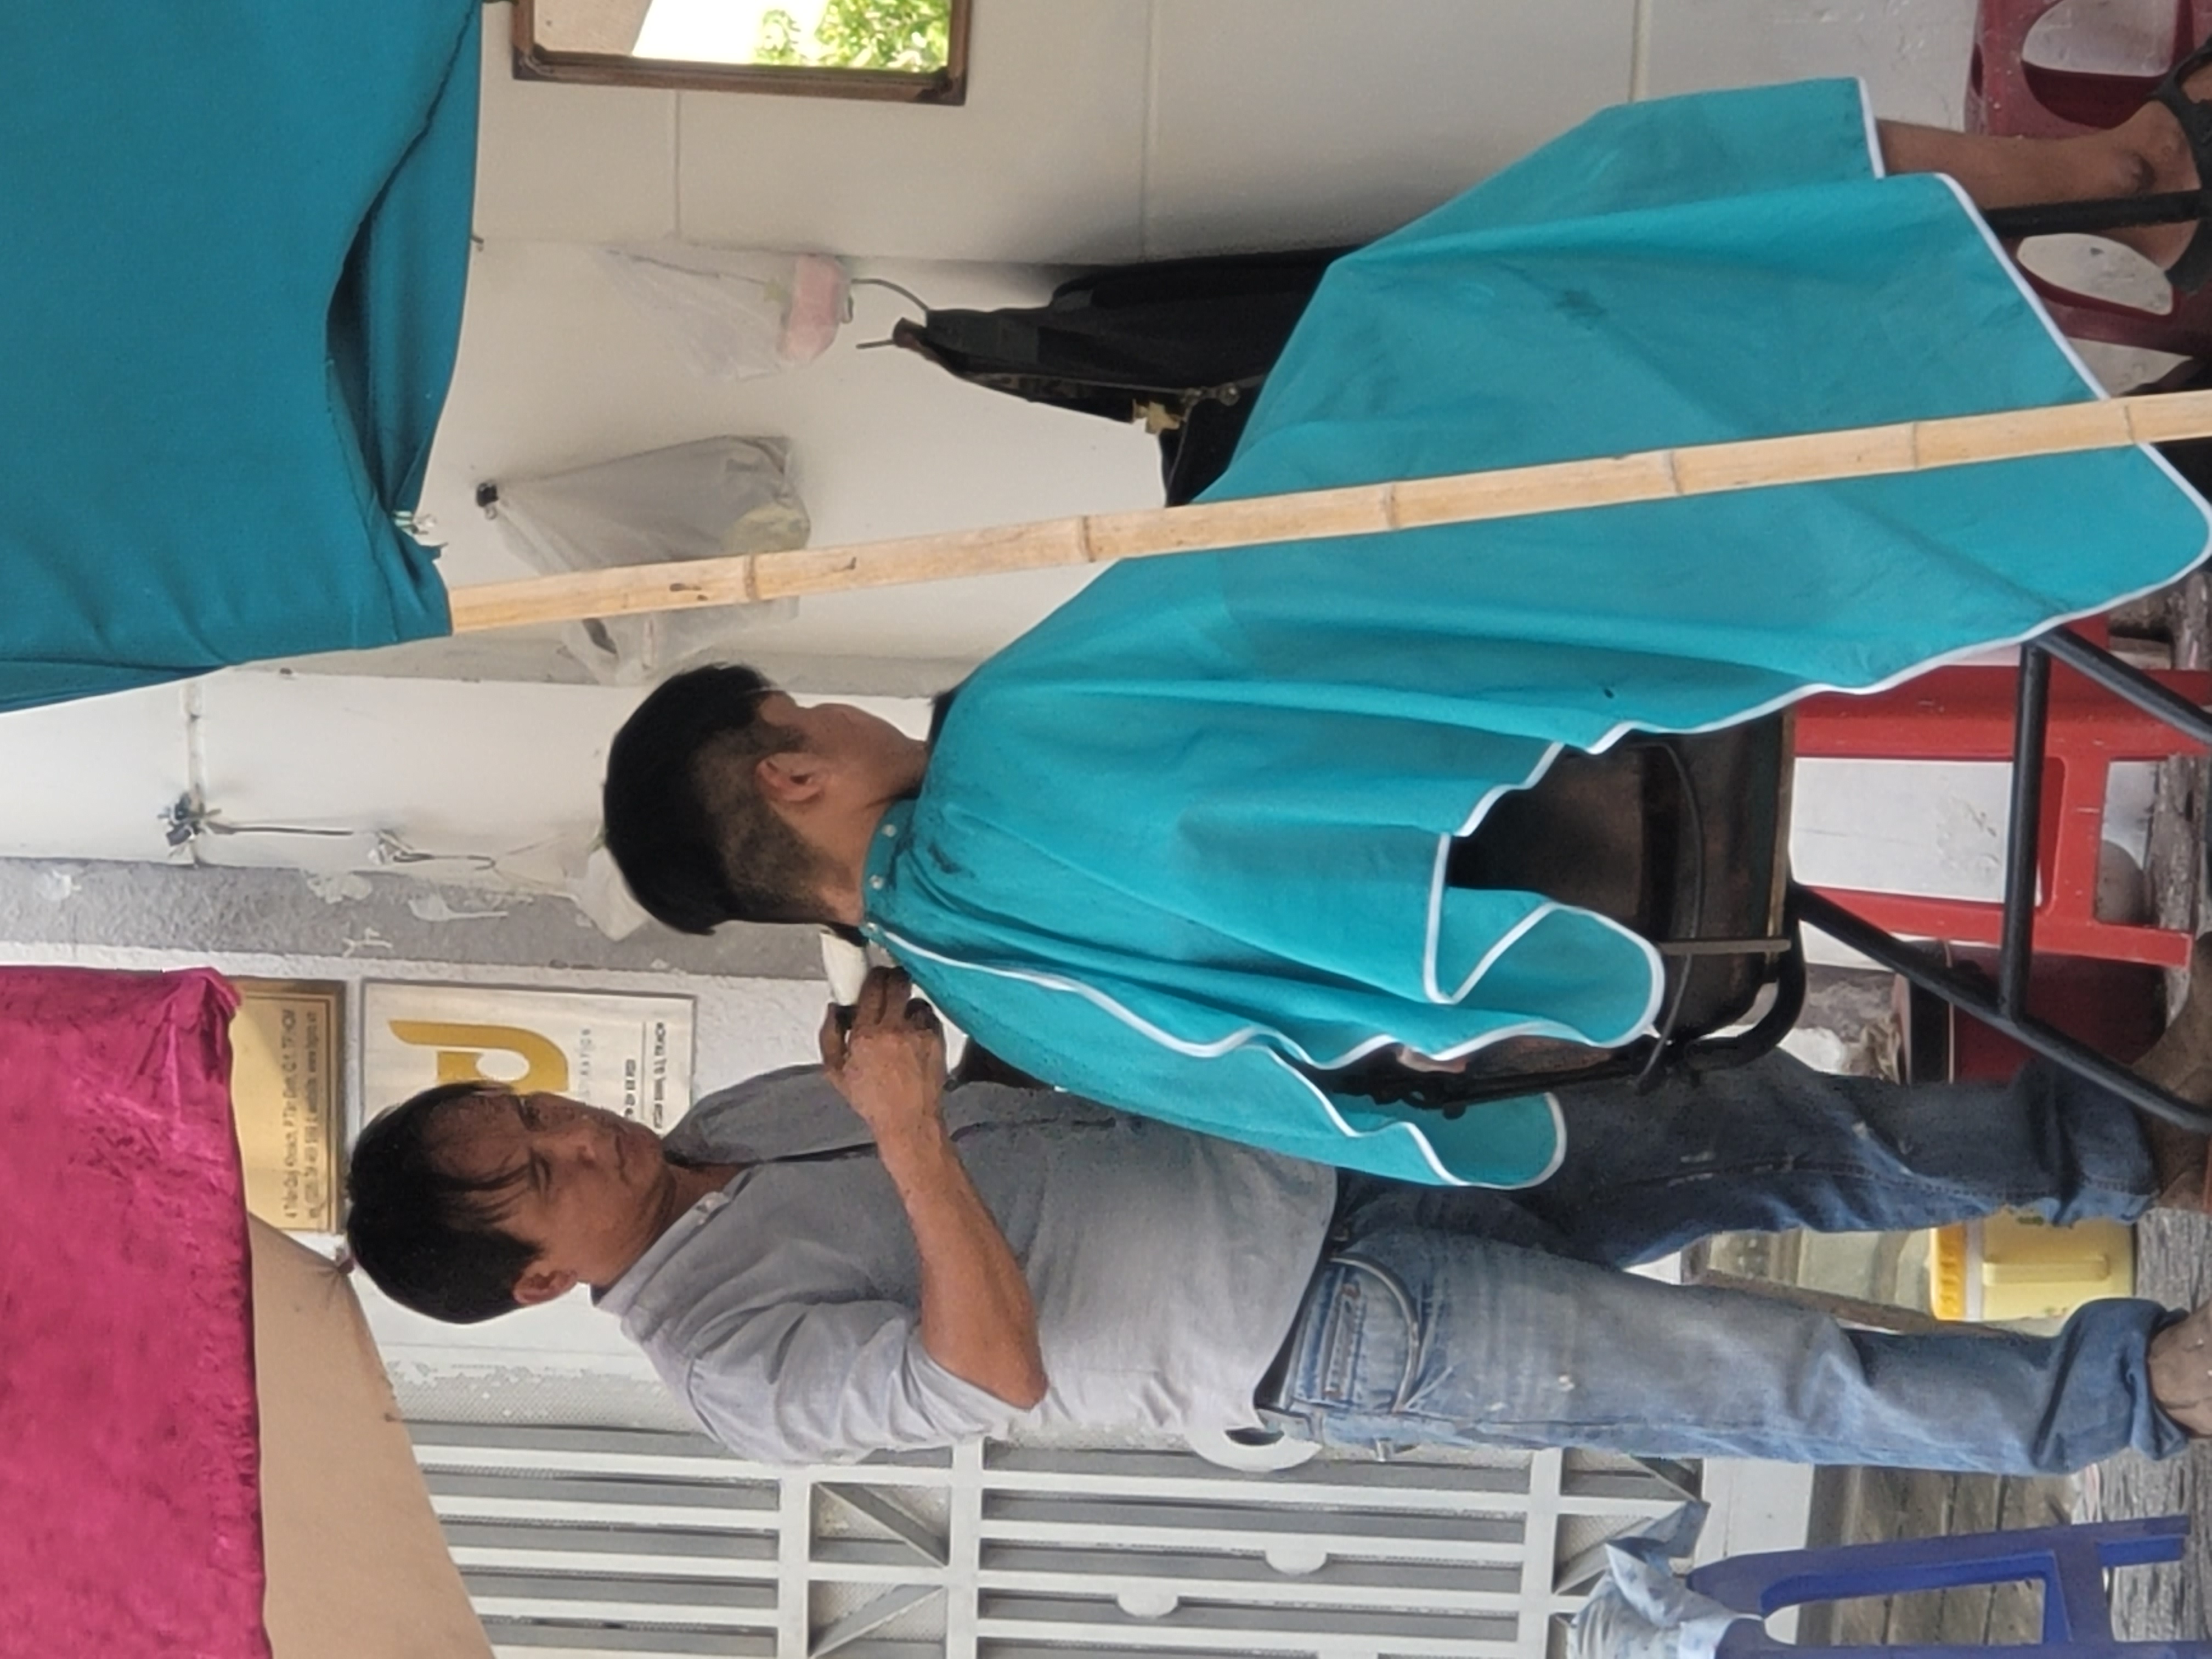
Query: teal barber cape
{"x": 1182, "y": 845}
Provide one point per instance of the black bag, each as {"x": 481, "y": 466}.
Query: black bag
{"x": 1181, "y": 343}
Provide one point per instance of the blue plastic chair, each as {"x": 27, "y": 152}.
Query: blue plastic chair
{"x": 2070, "y": 1561}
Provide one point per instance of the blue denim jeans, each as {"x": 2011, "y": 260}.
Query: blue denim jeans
{"x": 1473, "y": 1317}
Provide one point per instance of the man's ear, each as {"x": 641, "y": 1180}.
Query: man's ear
{"x": 790, "y": 777}
{"x": 539, "y": 1285}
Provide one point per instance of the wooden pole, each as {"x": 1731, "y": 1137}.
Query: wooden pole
{"x": 1362, "y": 510}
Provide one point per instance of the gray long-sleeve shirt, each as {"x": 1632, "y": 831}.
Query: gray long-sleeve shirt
{"x": 1166, "y": 1268}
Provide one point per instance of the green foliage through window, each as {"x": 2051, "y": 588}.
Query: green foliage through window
{"x": 910, "y": 36}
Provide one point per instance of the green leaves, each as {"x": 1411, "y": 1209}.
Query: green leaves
{"x": 911, "y": 37}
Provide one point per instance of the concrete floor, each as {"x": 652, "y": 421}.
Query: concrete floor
{"x": 2174, "y": 1266}
{"x": 2174, "y": 1251}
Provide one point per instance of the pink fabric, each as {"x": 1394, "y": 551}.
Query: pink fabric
{"x": 130, "y": 1510}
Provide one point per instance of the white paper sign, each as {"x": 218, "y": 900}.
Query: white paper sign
{"x": 629, "y": 1053}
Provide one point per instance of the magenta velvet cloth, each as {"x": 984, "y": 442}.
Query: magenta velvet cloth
{"x": 130, "y": 1508}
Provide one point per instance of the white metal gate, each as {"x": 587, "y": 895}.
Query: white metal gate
{"x": 593, "y": 1541}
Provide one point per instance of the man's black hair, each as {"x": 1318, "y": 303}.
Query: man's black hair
{"x": 686, "y": 823}
{"x": 423, "y": 1234}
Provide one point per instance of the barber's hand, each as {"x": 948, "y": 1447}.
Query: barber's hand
{"x": 889, "y": 1065}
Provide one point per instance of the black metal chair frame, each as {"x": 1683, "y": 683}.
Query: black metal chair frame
{"x": 2004, "y": 1005}
{"x": 1709, "y": 891}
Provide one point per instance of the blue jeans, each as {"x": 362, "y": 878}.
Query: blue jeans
{"x": 1473, "y": 1317}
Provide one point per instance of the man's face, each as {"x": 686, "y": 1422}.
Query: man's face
{"x": 587, "y": 1189}
{"x": 874, "y": 760}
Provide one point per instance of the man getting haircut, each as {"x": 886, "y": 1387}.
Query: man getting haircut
{"x": 1181, "y": 849}
{"x": 706, "y": 847}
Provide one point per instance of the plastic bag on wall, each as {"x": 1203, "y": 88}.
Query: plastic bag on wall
{"x": 695, "y": 500}
{"x": 735, "y": 315}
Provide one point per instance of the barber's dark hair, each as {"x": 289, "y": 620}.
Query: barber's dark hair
{"x": 423, "y": 1234}
{"x": 686, "y": 823}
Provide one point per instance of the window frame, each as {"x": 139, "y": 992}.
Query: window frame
{"x": 946, "y": 86}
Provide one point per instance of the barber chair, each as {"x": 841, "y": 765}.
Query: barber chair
{"x": 1682, "y": 840}
{"x": 1685, "y": 839}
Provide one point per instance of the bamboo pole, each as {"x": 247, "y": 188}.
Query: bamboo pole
{"x": 1362, "y": 510}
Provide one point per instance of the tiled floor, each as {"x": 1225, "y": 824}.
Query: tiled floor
{"x": 2173, "y": 1266}
{"x": 1871, "y": 1505}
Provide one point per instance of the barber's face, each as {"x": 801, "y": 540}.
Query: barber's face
{"x": 587, "y": 1189}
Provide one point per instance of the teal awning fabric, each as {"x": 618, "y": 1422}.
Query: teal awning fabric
{"x": 232, "y": 245}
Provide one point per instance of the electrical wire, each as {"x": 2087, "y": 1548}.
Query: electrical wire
{"x": 908, "y": 294}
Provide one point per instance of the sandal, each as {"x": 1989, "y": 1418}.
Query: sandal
{"x": 2194, "y": 268}
{"x": 2180, "y": 1062}
{"x": 2182, "y": 1172}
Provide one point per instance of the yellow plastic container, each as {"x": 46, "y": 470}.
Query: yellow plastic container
{"x": 2016, "y": 1266}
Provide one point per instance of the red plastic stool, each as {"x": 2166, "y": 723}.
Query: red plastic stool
{"x": 1949, "y": 714}
{"x": 2007, "y": 96}
{"x": 1965, "y": 714}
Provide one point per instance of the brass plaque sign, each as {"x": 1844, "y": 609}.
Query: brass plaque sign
{"x": 284, "y": 1096}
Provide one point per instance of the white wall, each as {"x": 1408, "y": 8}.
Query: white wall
{"x": 91, "y": 778}
{"x": 557, "y": 369}
{"x": 464, "y": 781}
{"x": 1099, "y": 130}
{"x": 1094, "y": 129}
